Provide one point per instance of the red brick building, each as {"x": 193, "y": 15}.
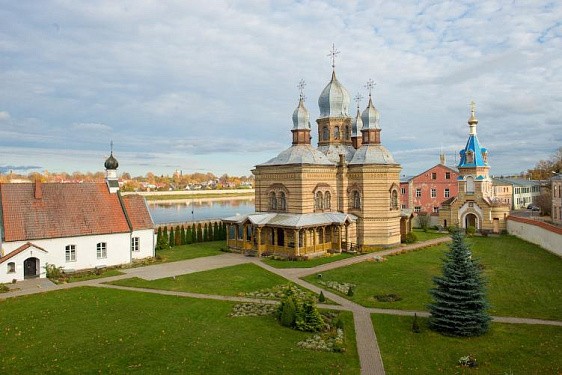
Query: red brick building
{"x": 426, "y": 191}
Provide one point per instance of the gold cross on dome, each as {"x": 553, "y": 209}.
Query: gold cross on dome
{"x": 333, "y": 53}
{"x": 370, "y": 86}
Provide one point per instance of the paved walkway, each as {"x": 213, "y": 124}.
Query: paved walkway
{"x": 367, "y": 345}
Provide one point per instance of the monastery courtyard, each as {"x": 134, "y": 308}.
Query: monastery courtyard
{"x": 368, "y": 351}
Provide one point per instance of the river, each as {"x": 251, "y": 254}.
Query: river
{"x": 180, "y": 211}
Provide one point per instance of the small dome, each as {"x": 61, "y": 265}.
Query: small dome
{"x": 372, "y": 154}
{"x": 356, "y": 125}
{"x": 370, "y": 116}
{"x": 111, "y": 162}
{"x": 301, "y": 119}
{"x": 334, "y": 99}
{"x": 299, "y": 154}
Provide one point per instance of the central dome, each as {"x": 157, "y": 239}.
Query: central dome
{"x": 334, "y": 100}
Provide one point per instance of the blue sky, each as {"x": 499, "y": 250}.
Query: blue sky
{"x": 211, "y": 86}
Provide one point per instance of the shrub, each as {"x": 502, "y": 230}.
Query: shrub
{"x": 350, "y": 292}
{"x": 388, "y": 297}
{"x": 288, "y": 312}
{"x": 4, "y": 288}
{"x": 339, "y": 323}
{"x": 321, "y": 297}
{"x": 470, "y": 230}
{"x": 308, "y": 317}
{"x": 423, "y": 220}
{"x": 410, "y": 238}
{"x": 468, "y": 361}
{"x": 54, "y": 272}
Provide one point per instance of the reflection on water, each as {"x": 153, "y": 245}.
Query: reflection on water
{"x": 198, "y": 209}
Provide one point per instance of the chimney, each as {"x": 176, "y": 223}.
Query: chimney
{"x": 38, "y": 189}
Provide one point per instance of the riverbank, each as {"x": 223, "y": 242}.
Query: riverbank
{"x": 170, "y": 196}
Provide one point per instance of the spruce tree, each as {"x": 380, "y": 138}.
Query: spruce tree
{"x": 165, "y": 235}
{"x": 205, "y": 233}
{"x": 188, "y": 235}
{"x": 158, "y": 238}
{"x": 182, "y": 235}
{"x": 199, "y": 233}
{"x": 177, "y": 236}
{"x": 171, "y": 237}
{"x": 216, "y": 233}
{"x": 459, "y": 306}
{"x": 193, "y": 233}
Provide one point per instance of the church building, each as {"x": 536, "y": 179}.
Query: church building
{"x": 476, "y": 204}
{"x": 71, "y": 225}
{"x": 342, "y": 195}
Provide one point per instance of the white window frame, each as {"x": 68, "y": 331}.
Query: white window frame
{"x": 417, "y": 209}
{"x": 403, "y": 191}
{"x": 418, "y": 193}
{"x": 447, "y": 193}
{"x": 70, "y": 253}
{"x": 436, "y": 210}
{"x": 11, "y": 267}
{"x": 101, "y": 250}
{"x": 135, "y": 244}
{"x": 433, "y": 193}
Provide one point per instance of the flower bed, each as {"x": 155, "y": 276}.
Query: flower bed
{"x": 327, "y": 342}
{"x": 253, "y": 309}
{"x": 335, "y": 285}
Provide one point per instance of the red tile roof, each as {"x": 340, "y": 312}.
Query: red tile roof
{"x": 63, "y": 210}
{"x": 19, "y": 250}
{"x": 137, "y": 212}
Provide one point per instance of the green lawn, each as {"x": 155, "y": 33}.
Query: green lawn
{"x": 228, "y": 281}
{"x": 94, "y": 330}
{"x": 505, "y": 349}
{"x": 305, "y": 263}
{"x": 429, "y": 235}
{"x": 523, "y": 279}
{"x": 196, "y": 250}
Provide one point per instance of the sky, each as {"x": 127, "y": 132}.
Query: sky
{"x": 211, "y": 86}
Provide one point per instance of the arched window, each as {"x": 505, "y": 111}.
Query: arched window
{"x": 469, "y": 184}
{"x": 272, "y": 201}
{"x": 327, "y": 200}
{"x": 325, "y": 133}
{"x": 337, "y": 132}
{"x": 11, "y": 267}
{"x": 318, "y": 202}
{"x": 347, "y": 134}
{"x": 356, "y": 200}
{"x": 394, "y": 200}
{"x": 282, "y": 202}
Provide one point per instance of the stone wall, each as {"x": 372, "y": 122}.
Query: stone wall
{"x": 540, "y": 233}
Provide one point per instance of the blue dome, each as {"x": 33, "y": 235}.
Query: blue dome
{"x": 301, "y": 119}
{"x": 334, "y": 99}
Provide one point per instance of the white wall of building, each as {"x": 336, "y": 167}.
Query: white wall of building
{"x": 147, "y": 243}
{"x": 546, "y": 239}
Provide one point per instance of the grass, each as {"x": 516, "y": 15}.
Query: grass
{"x": 146, "y": 333}
{"x": 523, "y": 279}
{"x": 429, "y": 235}
{"x": 93, "y": 275}
{"x": 505, "y": 349}
{"x": 191, "y": 251}
{"x": 228, "y": 281}
{"x": 278, "y": 263}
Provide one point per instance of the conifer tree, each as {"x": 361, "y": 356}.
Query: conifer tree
{"x": 171, "y": 237}
{"x": 188, "y": 235}
{"x": 459, "y": 306}
{"x": 177, "y": 236}
{"x": 165, "y": 235}
{"x": 224, "y": 231}
{"x": 193, "y": 233}
{"x": 182, "y": 235}
{"x": 205, "y": 233}
{"x": 199, "y": 233}
{"x": 216, "y": 233}
{"x": 158, "y": 238}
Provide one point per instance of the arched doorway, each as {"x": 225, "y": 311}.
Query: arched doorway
{"x": 31, "y": 268}
{"x": 471, "y": 221}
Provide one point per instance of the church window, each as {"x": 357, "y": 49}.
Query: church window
{"x": 101, "y": 250}
{"x": 272, "y": 201}
{"x": 337, "y": 132}
{"x": 403, "y": 191}
{"x": 135, "y": 244}
{"x": 325, "y": 133}
{"x": 470, "y": 184}
{"x": 70, "y": 253}
{"x": 394, "y": 200}
{"x": 11, "y": 267}
{"x": 433, "y": 193}
{"x": 418, "y": 192}
{"x": 447, "y": 193}
{"x": 327, "y": 200}
{"x": 319, "y": 201}
{"x": 347, "y": 134}
{"x": 282, "y": 201}
{"x": 356, "y": 200}
{"x": 447, "y": 175}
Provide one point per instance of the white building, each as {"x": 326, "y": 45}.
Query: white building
{"x": 74, "y": 226}
{"x": 524, "y": 192}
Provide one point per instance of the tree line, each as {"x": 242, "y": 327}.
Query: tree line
{"x": 185, "y": 235}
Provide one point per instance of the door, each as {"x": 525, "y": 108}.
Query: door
{"x": 496, "y": 225}
{"x": 471, "y": 221}
{"x": 30, "y": 268}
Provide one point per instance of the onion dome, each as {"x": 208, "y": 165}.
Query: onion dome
{"x": 334, "y": 99}
{"x": 370, "y": 116}
{"x": 301, "y": 119}
{"x": 111, "y": 162}
{"x": 356, "y": 125}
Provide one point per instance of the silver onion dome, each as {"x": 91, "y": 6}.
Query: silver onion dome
{"x": 334, "y": 99}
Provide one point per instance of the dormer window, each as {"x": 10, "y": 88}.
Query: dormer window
{"x": 485, "y": 156}
{"x": 470, "y": 157}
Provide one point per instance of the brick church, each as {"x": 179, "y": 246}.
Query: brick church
{"x": 341, "y": 195}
